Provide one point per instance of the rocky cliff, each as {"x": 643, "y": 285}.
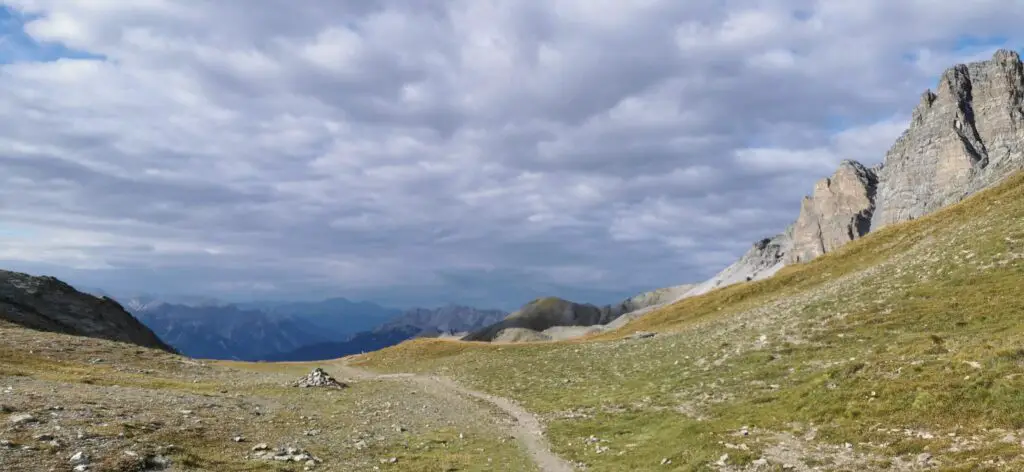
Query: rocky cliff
{"x": 964, "y": 137}
{"x": 762, "y": 260}
{"x": 838, "y": 212}
{"x": 47, "y": 304}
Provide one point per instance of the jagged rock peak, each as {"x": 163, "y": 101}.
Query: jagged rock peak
{"x": 839, "y": 211}
{"x": 965, "y": 137}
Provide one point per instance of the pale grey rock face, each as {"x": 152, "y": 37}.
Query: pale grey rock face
{"x": 47, "y": 304}
{"x": 520, "y": 335}
{"x": 839, "y": 211}
{"x": 964, "y": 137}
{"x": 654, "y": 298}
{"x": 760, "y": 262}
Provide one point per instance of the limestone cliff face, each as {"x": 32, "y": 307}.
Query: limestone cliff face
{"x": 964, "y": 137}
{"x": 47, "y": 304}
{"x": 838, "y": 212}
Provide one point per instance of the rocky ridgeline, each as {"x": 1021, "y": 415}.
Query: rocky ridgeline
{"x": 527, "y": 324}
{"x": 964, "y": 137}
{"x": 47, "y": 304}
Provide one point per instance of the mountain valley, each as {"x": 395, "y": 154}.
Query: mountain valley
{"x": 879, "y": 331}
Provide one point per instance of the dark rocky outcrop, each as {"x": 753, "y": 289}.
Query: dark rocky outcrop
{"x": 542, "y": 314}
{"x": 48, "y": 304}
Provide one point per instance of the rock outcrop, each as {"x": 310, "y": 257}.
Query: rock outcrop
{"x": 761, "y": 261}
{"x": 542, "y": 319}
{"x": 964, "y": 137}
{"x": 520, "y": 335}
{"x": 646, "y": 300}
{"x": 839, "y": 211}
{"x": 47, "y": 304}
{"x": 541, "y": 314}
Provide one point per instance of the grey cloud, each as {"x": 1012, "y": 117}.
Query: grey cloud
{"x": 459, "y": 150}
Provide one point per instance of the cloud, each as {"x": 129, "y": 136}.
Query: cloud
{"x": 444, "y": 151}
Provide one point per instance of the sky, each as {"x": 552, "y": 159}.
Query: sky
{"x": 484, "y": 152}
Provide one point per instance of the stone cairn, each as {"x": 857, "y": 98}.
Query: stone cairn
{"x": 319, "y": 379}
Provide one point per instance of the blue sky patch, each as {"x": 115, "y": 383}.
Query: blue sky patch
{"x": 15, "y": 232}
{"x": 16, "y": 46}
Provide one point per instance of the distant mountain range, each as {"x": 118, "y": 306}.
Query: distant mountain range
{"x": 227, "y": 331}
{"x": 451, "y": 320}
{"x": 294, "y": 330}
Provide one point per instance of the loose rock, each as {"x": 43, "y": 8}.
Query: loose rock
{"x": 23, "y": 418}
{"x": 320, "y": 379}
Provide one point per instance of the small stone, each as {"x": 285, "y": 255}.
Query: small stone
{"x": 238, "y": 439}
{"x": 6, "y": 443}
{"x": 924, "y": 458}
{"x": 80, "y": 468}
{"x": 79, "y": 458}
{"x": 261, "y": 447}
{"x": 666, "y": 461}
{"x": 43, "y": 437}
{"x": 23, "y": 418}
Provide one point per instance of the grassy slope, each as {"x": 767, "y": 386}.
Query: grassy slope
{"x": 907, "y": 341}
{"x": 126, "y": 398}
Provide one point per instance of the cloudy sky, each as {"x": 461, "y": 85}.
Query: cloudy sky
{"x": 411, "y": 152}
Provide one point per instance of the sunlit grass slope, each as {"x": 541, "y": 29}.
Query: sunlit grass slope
{"x": 902, "y": 350}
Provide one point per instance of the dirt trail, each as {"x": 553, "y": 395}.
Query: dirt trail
{"x": 526, "y": 428}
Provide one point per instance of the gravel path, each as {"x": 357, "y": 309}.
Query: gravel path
{"x": 526, "y": 427}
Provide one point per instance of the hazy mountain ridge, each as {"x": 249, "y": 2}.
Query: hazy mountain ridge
{"x": 227, "y": 332}
{"x": 417, "y": 322}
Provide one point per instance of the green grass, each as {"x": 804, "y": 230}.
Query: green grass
{"x": 916, "y": 327}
